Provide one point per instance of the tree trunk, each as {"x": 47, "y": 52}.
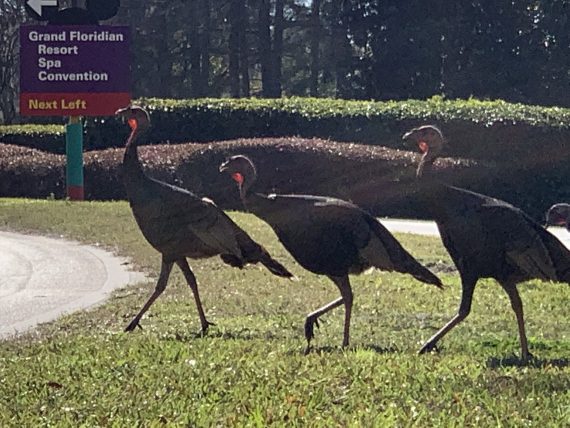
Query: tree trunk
{"x": 243, "y": 50}
{"x": 164, "y": 62}
{"x": 264, "y": 36}
{"x": 203, "y": 61}
{"x": 278, "y": 47}
{"x": 315, "y": 23}
{"x": 343, "y": 53}
{"x": 195, "y": 52}
{"x": 205, "y": 49}
{"x": 8, "y": 66}
{"x": 234, "y": 48}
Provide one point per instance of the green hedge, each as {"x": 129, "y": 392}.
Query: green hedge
{"x": 475, "y": 129}
{"x": 49, "y": 138}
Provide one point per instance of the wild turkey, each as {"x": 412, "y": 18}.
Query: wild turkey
{"x": 326, "y": 236}
{"x": 558, "y": 215}
{"x": 486, "y": 238}
{"x": 179, "y": 224}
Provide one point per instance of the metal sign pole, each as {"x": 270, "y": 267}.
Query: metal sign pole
{"x": 74, "y": 153}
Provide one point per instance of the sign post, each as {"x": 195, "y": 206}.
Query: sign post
{"x": 74, "y": 152}
{"x": 74, "y": 70}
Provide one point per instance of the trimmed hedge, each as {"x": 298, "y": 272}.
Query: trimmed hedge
{"x": 49, "y": 138}
{"x": 377, "y": 178}
{"x": 493, "y": 130}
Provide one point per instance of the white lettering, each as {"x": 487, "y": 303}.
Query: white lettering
{"x": 49, "y": 63}
{"x": 34, "y": 36}
{"x": 87, "y": 76}
{"x": 95, "y": 36}
{"x": 57, "y": 50}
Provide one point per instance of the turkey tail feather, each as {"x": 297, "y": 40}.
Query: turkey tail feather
{"x": 421, "y": 273}
{"x": 403, "y": 261}
{"x": 254, "y": 253}
{"x": 274, "y": 266}
{"x": 559, "y": 254}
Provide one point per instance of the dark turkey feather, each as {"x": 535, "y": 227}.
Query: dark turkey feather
{"x": 327, "y": 236}
{"x": 485, "y": 237}
{"x": 181, "y": 225}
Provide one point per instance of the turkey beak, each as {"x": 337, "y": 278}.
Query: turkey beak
{"x": 122, "y": 112}
{"x": 547, "y": 222}
{"x": 407, "y": 143}
{"x": 223, "y": 167}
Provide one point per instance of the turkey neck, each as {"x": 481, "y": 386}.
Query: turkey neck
{"x": 431, "y": 191}
{"x": 256, "y": 203}
{"x": 131, "y": 162}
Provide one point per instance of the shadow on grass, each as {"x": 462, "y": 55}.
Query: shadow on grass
{"x": 515, "y": 361}
{"x": 379, "y": 349}
{"x": 225, "y": 334}
{"x": 329, "y": 349}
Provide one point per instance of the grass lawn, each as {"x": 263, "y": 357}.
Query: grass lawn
{"x": 82, "y": 370}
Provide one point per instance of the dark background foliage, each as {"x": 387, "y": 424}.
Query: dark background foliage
{"x": 513, "y": 50}
{"x": 352, "y": 49}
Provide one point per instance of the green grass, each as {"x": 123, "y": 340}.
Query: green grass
{"x": 82, "y": 370}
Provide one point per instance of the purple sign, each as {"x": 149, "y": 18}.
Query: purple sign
{"x": 74, "y": 59}
{"x": 74, "y": 70}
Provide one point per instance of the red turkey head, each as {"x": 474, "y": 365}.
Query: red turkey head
{"x": 136, "y": 117}
{"x": 429, "y": 141}
{"x": 242, "y": 171}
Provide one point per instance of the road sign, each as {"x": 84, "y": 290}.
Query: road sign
{"x": 94, "y": 11}
{"x": 41, "y": 10}
{"x": 74, "y": 70}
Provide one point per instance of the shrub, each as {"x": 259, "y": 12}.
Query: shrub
{"x": 493, "y": 130}
{"x": 377, "y": 178}
{"x": 50, "y": 138}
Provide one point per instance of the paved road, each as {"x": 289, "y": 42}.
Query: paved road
{"x": 42, "y": 278}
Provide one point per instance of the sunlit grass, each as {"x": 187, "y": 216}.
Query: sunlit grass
{"x": 249, "y": 370}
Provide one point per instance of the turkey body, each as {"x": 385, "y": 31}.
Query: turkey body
{"x": 486, "y": 238}
{"x": 489, "y": 238}
{"x": 180, "y": 225}
{"x": 333, "y": 237}
{"x": 326, "y": 236}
